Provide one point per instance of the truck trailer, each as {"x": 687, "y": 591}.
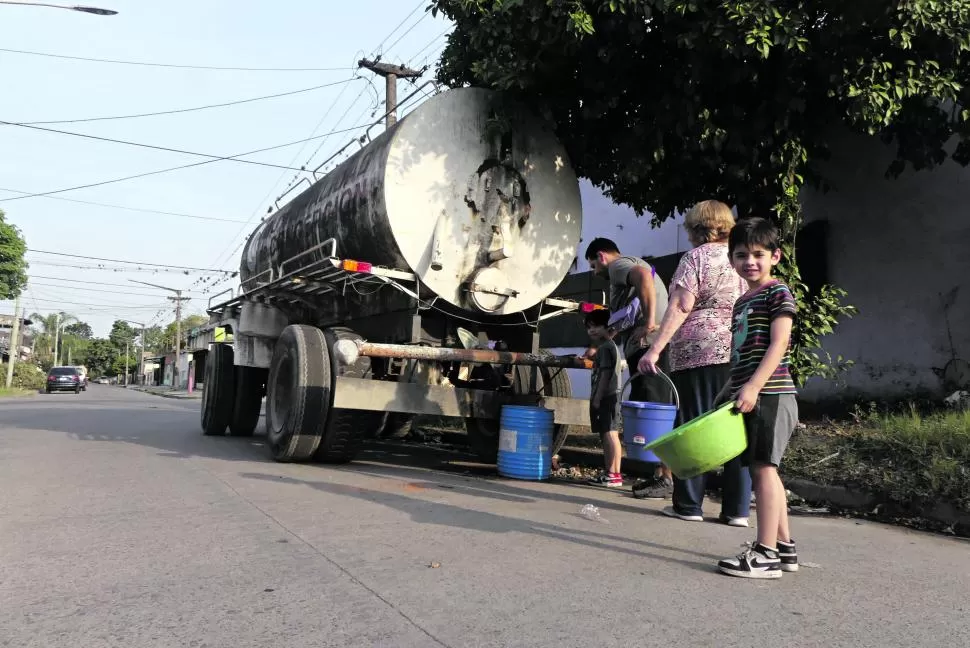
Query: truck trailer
{"x": 411, "y": 279}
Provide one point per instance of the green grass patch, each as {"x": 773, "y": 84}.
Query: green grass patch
{"x": 909, "y": 459}
{"x": 13, "y": 392}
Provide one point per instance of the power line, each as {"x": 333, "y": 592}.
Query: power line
{"x": 93, "y": 283}
{"x": 168, "y": 65}
{"x": 97, "y": 290}
{"x": 410, "y": 29}
{"x": 186, "y": 110}
{"x": 399, "y": 25}
{"x": 137, "y": 263}
{"x": 134, "y": 209}
{"x": 222, "y": 258}
{"x": 107, "y": 306}
{"x": 104, "y": 268}
{"x": 432, "y": 42}
{"x": 147, "y": 146}
{"x": 176, "y": 168}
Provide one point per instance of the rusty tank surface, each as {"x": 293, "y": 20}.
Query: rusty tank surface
{"x": 470, "y": 192}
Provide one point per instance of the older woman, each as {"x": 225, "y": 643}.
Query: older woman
{"x": 697, "y": 326}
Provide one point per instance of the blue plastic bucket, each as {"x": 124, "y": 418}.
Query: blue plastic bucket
{"x": 525, "y": 442}
{"x": 645, "y": 422}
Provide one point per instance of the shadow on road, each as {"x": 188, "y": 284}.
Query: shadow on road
{"x": 424, "y": 512}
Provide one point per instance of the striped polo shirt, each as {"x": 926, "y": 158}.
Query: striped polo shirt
{"x": 751, "y": 334}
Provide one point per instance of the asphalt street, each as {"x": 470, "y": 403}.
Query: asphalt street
{"x": 121, "y": 525}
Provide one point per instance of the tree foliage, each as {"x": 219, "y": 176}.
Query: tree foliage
{"x": 122, "y": 334}
{"x": 188, "y": 323}
{"x": 79, "y": 329}
{"x": 101, "y": 357}
{"x": 13, "y": 262}
{"x": 663, "y": 103}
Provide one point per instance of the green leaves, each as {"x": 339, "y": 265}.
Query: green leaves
{"x": 13, "y": 262}
{"x": 666, "y": 102}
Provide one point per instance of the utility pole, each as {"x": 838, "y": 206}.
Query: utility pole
{"x": 57, "y": 336}
{"x": 391, "y": 74}
{"x": 13, "y": 347}
{"x": 141, "y": 358}
{"x": 69, "y": 363}
{"x": 126, "y": 363}
{"x": 178, "y": 299}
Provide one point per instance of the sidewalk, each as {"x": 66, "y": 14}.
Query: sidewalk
{"x": 167, "y": 392}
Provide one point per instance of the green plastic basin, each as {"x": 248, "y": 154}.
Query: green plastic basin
{"x": 703, "y": 444}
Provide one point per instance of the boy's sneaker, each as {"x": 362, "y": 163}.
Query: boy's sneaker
{"x": 657, "y": 488}
{"x": 756, "y": 561}
{"x": 607, "y": 480}
{"x": 788, "y": 556}
{"x": 736, "y": 522}
{"x": 670, "y": 511}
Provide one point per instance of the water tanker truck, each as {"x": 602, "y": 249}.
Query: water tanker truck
{"x": 409, "y": 280}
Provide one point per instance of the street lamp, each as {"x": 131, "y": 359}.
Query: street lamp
{"x": 178, "y": 299}
{"x": 91, "y": 10}
{"x": 141, "y": 358}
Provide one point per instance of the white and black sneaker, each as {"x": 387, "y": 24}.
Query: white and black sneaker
{"x": 756, "y": 561}
{"x": 788, "y": 556}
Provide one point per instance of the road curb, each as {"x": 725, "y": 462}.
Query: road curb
{"x": 865, "y": 502}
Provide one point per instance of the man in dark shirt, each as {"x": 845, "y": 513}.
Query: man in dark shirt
{"x": 638, "y": 300}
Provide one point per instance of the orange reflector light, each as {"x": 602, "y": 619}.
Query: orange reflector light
{"x": 356, "y": 266}
{"x": 588, "y": 307}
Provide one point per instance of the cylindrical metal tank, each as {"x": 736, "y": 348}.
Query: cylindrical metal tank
{"x": 470, "y": 192}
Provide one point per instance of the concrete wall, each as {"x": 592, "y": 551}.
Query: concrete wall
{"x": 900, "y": 248}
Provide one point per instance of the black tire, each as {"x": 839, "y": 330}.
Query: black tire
{"x": 483, "y": 434}
{"x": 346, "y": 428}
{"x": 299, "y": 391}
{"x": 248, "y": 401}
{"x": 218, "y": 390}
{"x": 556, "y": 384}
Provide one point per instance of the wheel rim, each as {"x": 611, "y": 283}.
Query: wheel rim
{"x": 281, "y": 401}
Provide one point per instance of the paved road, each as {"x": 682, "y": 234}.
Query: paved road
{"x": 120, "y": 525}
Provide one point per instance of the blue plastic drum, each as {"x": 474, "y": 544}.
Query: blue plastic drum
{"x": 525, "y": 442}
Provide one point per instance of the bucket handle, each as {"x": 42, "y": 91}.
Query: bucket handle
{"x": 673, "y": 388}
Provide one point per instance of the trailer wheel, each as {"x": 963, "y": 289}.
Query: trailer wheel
{"x": 556, "y": 385}
{"x": 217, "y": 391}
{"x": 299, "y": 393}
{"x": 483, "y": 434}
{"x": 347, "y": 428}
{"x": 250, "y": 387}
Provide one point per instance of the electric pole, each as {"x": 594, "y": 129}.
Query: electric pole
{"x": 126, "y": 363}
{"x": 57, "y": 335}
{"x": 178, "y": 299}
{"x": 13, "y": 347}
{"x": 391, "y": 74}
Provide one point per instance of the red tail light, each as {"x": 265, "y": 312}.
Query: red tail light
{"x": 50, "y": 378}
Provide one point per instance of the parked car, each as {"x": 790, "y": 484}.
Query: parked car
{"x": 103, "y": 381}
{"x": 83, "y": 371}
{"x": 64, "y": 379}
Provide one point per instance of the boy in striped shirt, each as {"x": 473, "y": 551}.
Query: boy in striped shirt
{"x": 764, "y": 392}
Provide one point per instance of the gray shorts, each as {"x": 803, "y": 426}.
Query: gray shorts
{"x": 769, "y": 427}
{"x": 606, "y": 417}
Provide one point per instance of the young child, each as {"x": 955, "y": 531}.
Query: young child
{"x": 604, "y": 406}
{"x": 762, "y": 389}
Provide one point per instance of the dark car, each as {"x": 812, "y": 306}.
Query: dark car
{"x": 64, "y": 379}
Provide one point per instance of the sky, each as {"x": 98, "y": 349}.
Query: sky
{"x": 211, "y": 207}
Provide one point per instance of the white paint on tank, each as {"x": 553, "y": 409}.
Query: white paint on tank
{"x": 454, "y": 224}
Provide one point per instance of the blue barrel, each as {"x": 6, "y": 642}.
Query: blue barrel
{"x": 525, "y": 442}
{"x": 643, "y": 423}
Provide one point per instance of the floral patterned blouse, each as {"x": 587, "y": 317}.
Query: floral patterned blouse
{"x": 704, "y": 338}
